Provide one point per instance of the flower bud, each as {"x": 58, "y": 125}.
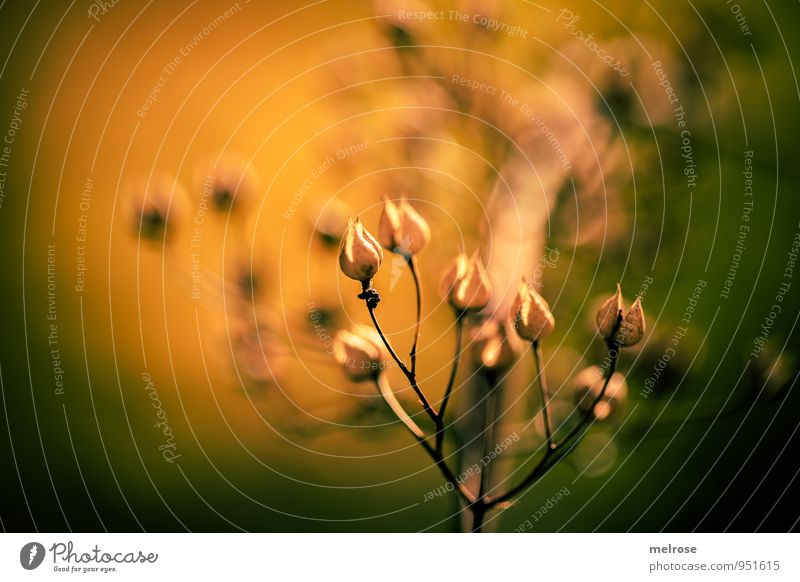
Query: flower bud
{"x": 493, "y": 348}
{"x": 454, "y": 273}
{"x": 151, "y": 204}
{"x": 329, "y": 222}
{"x": 402, "y": 229}
{"x": 360, "y": 354}
{"x": 609, "y": 313}
{"x": 233, "y": 182}
{"x": 532, "y": 317}
{"x": 632, "y": 328}
{"x": 361, "y": 255}
{"x": 472, "y": 291}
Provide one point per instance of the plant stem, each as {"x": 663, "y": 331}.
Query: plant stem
{"x": 537, "y": 358}
{"x": 412, "y": 266}
{"x": 451, "y": 381}
{"x": 488, "y": 435}
{"x": 388, "y": 395}
{"x": 478, "y": 513}
{"x": 549, "y": 460}
{"x": 412, "y": 379}
{"x": 613, "y": 352}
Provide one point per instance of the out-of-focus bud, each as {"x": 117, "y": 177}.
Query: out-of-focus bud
{"x": 151, "y": 205}
{"x": 532, "y": 317}
{"x": 361, "y": 354}
{"x": 402, "y": 229}
{"x": 361, "y": 255}
{"x": 492, "y": 348}
{"x": 329, "y": 222}
{"x": 232, "y": 182}
{"x": 610, "y": 313}
{"x": 632, "y": 328}
{"x": 256, "y": 352}
{"x": 453, "y": 274}
{"x": 588, "y": 383}
{"x": 472, "y": 291}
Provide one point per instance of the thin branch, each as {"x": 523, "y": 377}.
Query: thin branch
{"x": 388, "y": 395}
{"x": 587, "y": 416}
{"x": 411, "y": 377}
{"x": 412, "y": 266}
{"x": 451, "y": 381}
{"x": 537, "y": 358}
{"x": 551, "y": 457}
{"x": 488, "y": 435}
{"x": 539, "y": 470}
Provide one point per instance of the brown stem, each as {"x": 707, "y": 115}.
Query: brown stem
{"x": 478, "y": 513}
{"x": 613, "y": 352}
{"x": 451, "y": 381}
{"x": 550, "y": 457}
{"x": 369, "y": 296}
{"x": 388, "y": 395}
{"x": 412, "y": 266}
{"x": 487, "y": 435}
{"x": 537, "y": 358}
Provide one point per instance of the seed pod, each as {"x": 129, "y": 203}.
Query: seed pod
{"x": 472, "y": 291}
{"x": 632, "y": 328}
{"x": 402, "y": 229}
{"x": 532, "y": 317}
{"x": 609, "y": 313}
{"x": 361, "y": 255}
{"x": 359, "y": 355}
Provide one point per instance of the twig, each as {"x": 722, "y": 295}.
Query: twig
{"x": 537, "y": 358}
{"x": 488, "y": 434}
{"x": 613, "y": 353}
{"x": 371, "y": 298}
{"x": 451, "y": 381}
{"x": 412, "y": 266}
{"x": 388, "y": 395}
{"x": 550, "y": 458}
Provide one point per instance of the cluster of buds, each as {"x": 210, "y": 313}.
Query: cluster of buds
{"x": 465, "y": 284}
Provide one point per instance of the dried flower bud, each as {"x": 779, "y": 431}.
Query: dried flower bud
{"x": 361, "y": 255}
{"x": 151, "y": 204}
{"x": 402, "y": 229}
{"x": 609, "y": 313}
{"x": 532, "y": 317}
{"x": 493, "y": 348}
{"x": 454, "y": 273}
{"x": 360, "y": 354}
{"x": 632, "y": 328}
{"x": 472, "y": 291}
{"x": 329, "y": 221}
